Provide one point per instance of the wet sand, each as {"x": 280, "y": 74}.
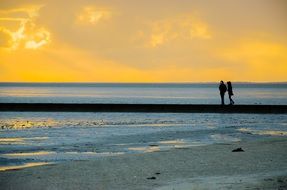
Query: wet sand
{"x": 262, "y": 165}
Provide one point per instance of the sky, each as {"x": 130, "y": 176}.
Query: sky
{"x": 143, "y": 40}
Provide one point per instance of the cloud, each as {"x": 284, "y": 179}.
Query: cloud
{"x": 183, "y": 27}
{"x": 28, "y": 34}
{"x": 30, "y": 11}
{"x": 93, "y": 15}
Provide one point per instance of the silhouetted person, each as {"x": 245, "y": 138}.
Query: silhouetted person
{"x": 230, "y": 92}
{"x": 222, "y": 90}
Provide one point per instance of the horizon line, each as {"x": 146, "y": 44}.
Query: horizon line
{"x": 209, "y": 82}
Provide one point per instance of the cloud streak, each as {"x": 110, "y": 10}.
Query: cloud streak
{"x": 93, "y": 15}
{"x": 185, "y": 27}
{"x": 28, "y": 34}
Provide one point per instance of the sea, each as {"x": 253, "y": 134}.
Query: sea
{"x": 37, "y": 138}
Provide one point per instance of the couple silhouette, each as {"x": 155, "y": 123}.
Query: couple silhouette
{"x": 223, "y": 89}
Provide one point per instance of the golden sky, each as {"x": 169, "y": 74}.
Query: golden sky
{"x": 143, "y": 40}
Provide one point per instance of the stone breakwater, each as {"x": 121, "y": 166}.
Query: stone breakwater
{"x": 156, "y": 108}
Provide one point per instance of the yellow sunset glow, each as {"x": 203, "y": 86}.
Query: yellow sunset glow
{"x": 183, "y": 28}
{"x": 93, "y": 15}
{"x": 143, "y": 41}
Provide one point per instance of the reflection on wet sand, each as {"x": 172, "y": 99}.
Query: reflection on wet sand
{"x": 12, "y": 141}
{"x": 26, "y": 124}
{"x": 173, "y": 142}
{"x": 165, "y": 145}
{"x": 22, "y": 154}
{"x": 83, "y": 154}
{"x": 27, "y": 165}
{"x": 219, "y": 138}
{"x": 50, "y": 156}
{"x": 181, "y": 143}
{"x": 145, "y": 149}
{"x": 263, "y": 132}
{"x": 20, "y": 140}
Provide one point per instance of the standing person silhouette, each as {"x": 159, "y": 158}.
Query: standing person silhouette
{"x": 222, "y": 90}
{"x": 230, "y": 92}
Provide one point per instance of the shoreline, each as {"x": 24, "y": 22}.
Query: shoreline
{"x": 148, "y": 108}
{"x": 263, "y": 164}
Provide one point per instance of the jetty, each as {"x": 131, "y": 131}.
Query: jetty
{"x": 149, "y": 108}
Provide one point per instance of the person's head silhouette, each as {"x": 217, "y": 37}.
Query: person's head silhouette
{"x": 229, "y": 84}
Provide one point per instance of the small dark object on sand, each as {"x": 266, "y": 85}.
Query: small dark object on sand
{"x": 151, "y": 178}
{"x": 153, "y": 145}
{"x": 157, "y": 173}
{"x": 238, "y": 150}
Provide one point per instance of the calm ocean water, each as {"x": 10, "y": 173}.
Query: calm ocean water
{"x": 36, "y": 138}
{"x": 244, "y": 93}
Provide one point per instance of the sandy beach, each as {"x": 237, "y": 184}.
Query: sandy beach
{"x": 143, "y": 95}
{"x": 262, "y": 165}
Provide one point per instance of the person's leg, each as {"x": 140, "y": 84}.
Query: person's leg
{"x": 222, "y": 98}
{"x": 230, "y": 99}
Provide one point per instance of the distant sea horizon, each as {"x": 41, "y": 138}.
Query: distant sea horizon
{"x": 135, "y": 83}
{"x": 141, "y": 93}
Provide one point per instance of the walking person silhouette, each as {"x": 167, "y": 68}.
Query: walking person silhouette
{"x": 230, "y": 92}
{"x": 222, "y": 90}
